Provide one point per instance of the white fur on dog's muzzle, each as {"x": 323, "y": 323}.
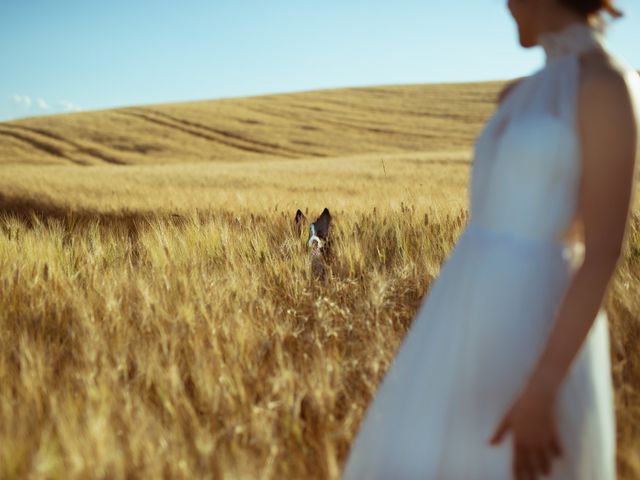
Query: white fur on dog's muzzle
{"x": 313, "y": 237}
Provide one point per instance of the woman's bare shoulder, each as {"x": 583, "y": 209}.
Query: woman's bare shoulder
{"x": 608, "y": 89}
{"x": 601, "y": 70}
{"x": 608, "y": 115}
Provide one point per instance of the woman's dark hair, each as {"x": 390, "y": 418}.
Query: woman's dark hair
{"x": 590, "y": 7}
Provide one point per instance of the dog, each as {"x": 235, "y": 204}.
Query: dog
{"x": 318, "y": 240}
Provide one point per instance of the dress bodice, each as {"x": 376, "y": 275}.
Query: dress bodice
{"x": 526, "y": 164}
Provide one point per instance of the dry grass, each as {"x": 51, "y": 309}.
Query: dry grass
{"x": 201, "y": 347}
{"x": 158, "y": 318}
{"x": 430, "y": 179}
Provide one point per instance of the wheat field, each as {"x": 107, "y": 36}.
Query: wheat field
{"x": 158, "y": 317}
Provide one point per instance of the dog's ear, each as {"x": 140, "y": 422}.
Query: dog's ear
{"x": 323, "y": 224}
{"x": 299, "y": 221}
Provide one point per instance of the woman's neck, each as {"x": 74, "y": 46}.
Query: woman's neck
{"x": 557, "y": 18}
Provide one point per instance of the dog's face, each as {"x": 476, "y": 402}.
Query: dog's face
{"x": 318, "y": 240}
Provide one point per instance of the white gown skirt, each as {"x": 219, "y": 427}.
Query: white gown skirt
{"x": 476, "y": 337}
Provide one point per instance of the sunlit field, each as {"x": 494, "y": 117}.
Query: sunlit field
{"x": 158, "y": 315}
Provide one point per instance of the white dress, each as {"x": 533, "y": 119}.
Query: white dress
{"x": 484, "y": 321}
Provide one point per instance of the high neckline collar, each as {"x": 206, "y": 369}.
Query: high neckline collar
{"x": 572, "y": 39}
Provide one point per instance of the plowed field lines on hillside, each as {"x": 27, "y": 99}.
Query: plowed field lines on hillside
{"x": 27, "y": 135}
{"x": 218, "y": 135}
{"x": 281, "y": 113}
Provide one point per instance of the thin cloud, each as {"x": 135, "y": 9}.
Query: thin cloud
{"x": 42, "y": 103}
{"x": 26, "y": 102}
{"x": 69, "y": 106}
{"x": 23, "y": 100}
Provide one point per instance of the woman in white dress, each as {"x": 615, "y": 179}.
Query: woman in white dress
{"x": 505, "y": 371}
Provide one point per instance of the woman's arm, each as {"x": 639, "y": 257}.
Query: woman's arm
{"x": 608, "y": 136}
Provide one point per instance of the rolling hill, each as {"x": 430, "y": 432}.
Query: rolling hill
{"x": 312, "y": 124}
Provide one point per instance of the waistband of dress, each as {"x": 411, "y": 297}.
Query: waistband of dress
{"x": 473, "y": 229}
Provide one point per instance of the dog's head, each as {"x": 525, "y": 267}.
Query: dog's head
{"x": 318, "y": 240}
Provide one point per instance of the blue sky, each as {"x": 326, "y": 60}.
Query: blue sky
{"x": 67, "y": 55}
